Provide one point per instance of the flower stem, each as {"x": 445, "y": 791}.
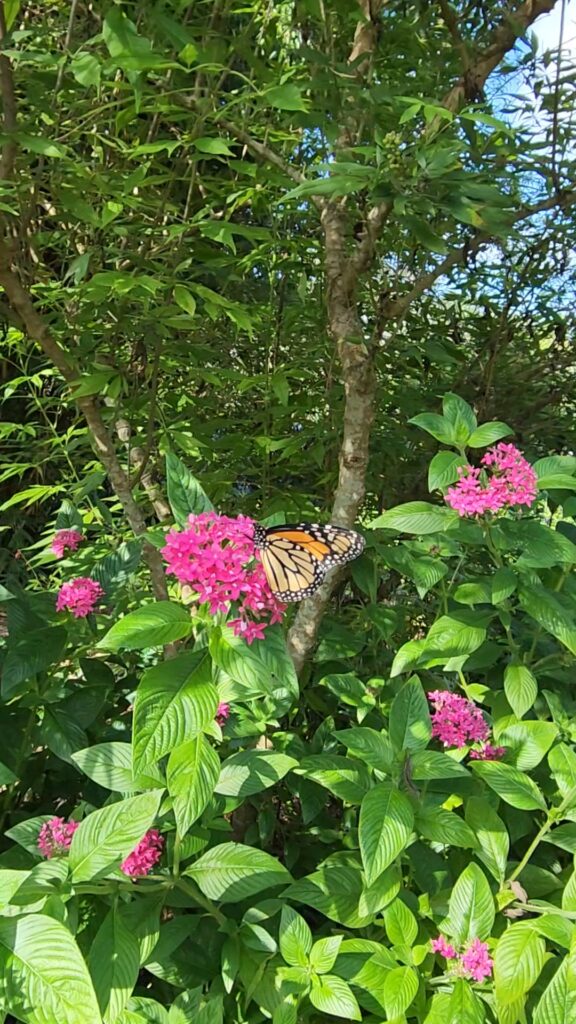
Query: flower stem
{"x": 553, "y": 815}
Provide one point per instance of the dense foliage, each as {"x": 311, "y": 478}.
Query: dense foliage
{"x": 301, "y": 260}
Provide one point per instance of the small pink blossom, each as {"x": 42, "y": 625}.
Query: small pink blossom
{"x": 65, "y": 540}
{"x": 476, "y": 962}
{"x": 145, "y": 856}
{"x": 510, "y": 481}
{"x": 487, "y": 753}
{"x": 456, "y": 721}
{"x": 216, "y": 556}
{"x": 441, "y": 946}
{"x": 222, "y": 713}
{"x": 80, "y": 596}
{"x": 55, "y": 836}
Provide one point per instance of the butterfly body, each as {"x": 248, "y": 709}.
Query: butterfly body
{"x": 297, "y": 556}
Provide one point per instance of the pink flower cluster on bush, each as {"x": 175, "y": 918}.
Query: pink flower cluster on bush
{"x": 222, "y": 713}
{"x": 80, "y": 596}
{"x": 55, "y": 836}
{"x": 215, "y": 555}
{"x": 145, "y": 856}
{"x": 511, "y": 481}
{"x": 473, "y": 963}
{"x": 65, "y": 540}
{"x": 457, "y": 721}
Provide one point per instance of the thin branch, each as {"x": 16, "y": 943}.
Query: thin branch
{"x": 557, "y": 97}
{"x": 8, "y": 106}
{"x": 147, "y": 449}
{"x": 67, "y": 41}
{"x": 458, "y": 256}
{"x": 37, "y": 330}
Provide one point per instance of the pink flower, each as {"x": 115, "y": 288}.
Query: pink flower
{"x": 456, "y": 721}
{"x": 441, "y": 946}
{"x": 55, "y": 836}
{"x": 145, "y": 856}
{"x": 222, "y": 713}
{"x": 487, "y": 753}
{"x": 65, "y": 539}
{"x": 476, "y": 962}
{"x": 511, "y": 481}
{"x": 80, "y": 596}
{"x": 216, "y": 556}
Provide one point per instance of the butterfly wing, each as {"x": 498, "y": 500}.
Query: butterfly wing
{"x": 296, "y": 557}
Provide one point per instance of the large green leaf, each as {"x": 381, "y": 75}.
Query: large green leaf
{"x": 262, "y": 668}
{"x": 491, "y": 836}
{"x": 471, "y": 907}
{"x": 400, "y": 988}
{"x": 440, "y": 826}
{"x": 385, "y": 826}
{"x": 109, "y": 765}
{"x": 185, "y": 494}
{"x": 518, "y": 960}
{"x": 433, "y": 764}
{"x": 44, "y": 977}
{"x": 174, "y": 702}
{"x": 251, "y": 771}
{"x": 336, "y": 890}
{"x": 410, "y": 726}
{"x": 515, "y": 788}
{"x": 232, "y": 872}
{"x": 557, "y": 1004}
{"x": 521, "y": 688}
{"x": 343, "y": 776}
{"x": 114, "y": 963}
{"x": 368, "y": 745}
{"x": 191, "y": 775}
{"x": 562, "y": 761}
{"x": 331, "y": 994}
{"x": 28, "y": 655}
{"x": 464, "y": 1006}
{"x": 108, "y": 835}
{"x": 295, "y": 938}
{"x": 549, "y": 613}
{"x": 418, "y": 517}
{"x": 150, "y": 626}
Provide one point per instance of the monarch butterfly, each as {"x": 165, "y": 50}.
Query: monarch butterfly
{"x": 296, "y": 557}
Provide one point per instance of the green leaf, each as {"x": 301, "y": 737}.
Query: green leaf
{"x": 30, "y": 655}
{"x": 526, "y": 742}
{"x": 461, "y": 417}
{"x": 557, "y": 1004}
{"x": 251, "y": 771}
{"x": 191, "y": 775}
{"x": 521, "y": 689}
{"x": 331, "y": 994}
{"x": 346, "y": 778}
{"x": 464, "y": 1006}
{"x": 336, "y": 890}
{"x": 488, "y": 433}
{"x": 552, "y": 465}
{"x": 150, "y": 626}
{"x": 214, "y": 147}
{"x": 563, "y": 836}
{"x": 285, "y": 97}
{"x": 399, "y": 989}
{"x": 562, "y": 761}
{"x": 443, "y": 470}
{"x": 114, "y": 964}
{"x": 401, "y": 925}
{"x": 295, "y": 938}
{"x": 385, "y": 826}
{"x": 117, "y": 567}
{"x": 175, "y": 701}
{"x": 368, "y": 745}
{"x": 41, "y": 145}
{"x": 433, "y": 764}
{"x": 557, "y": 482}
{"x": 423, "y": 233}
{"x": 549, "y": 613}
{"x": 493, "y": 842}
{"x": 232, "y": 872}
{"x": 438, "y": 426}
{"x": 262, "y": 668}
{"x": 86, "y": 69}
{"x": 324, "y": 953}
{"x": 109, "y": 765}
{"x": 186, "y": 301}
{"x": 440, "y": 826}
{"x": 515, "y": 788}
{"x": 410, "y": 725}
{"x": 471, "y": 910}
{"x": 453, "y": 635}
{"x": 108, "y": 835}
{"x": 416, "y": 517}
{"x": 518, "y": 960}
{"x": 185, "y": 494}
{"x": 44, "y": 976}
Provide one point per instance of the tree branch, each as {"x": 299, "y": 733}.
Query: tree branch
{"x": 37, "y": 330}
{"x": 8, "y": 106}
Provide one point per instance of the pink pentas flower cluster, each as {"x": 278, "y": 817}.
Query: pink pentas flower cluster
{"x": 487, "y": 753}
{"x": 222, "y": 713}
{"x": 79, "y": 596}
{"x": 145, "y": 856}
{"x": 509, "y": 480}
{"x": 55, "y": 836}
{"x": 455, "y": 720}
{"x": 216, "y": 556}
{"x": 65, "y": 540}
{"x": 473, "y": 962}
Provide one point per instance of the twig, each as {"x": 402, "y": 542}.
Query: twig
{"x": 557, "y": 98}
{"x": 147, "y": 449}
{"x": 67, "y": 41}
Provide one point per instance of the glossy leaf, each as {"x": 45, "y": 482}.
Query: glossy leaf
{"x": 385, "y": 825}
